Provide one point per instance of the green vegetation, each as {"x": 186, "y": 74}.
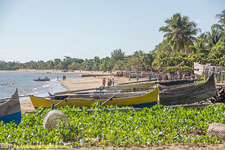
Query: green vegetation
{"x": 179, "y": 49}
{"x": 152, "y": 126}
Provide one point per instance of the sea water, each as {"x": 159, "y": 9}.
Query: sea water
{"x": 24, "y": 82}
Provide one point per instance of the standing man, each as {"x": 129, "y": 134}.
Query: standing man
{"x": 113, "y": 81}
{"x": 103, "y": 82}
{"x": 137, "y": 77}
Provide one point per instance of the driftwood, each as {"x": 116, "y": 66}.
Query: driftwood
{"x": 220, "y": 95}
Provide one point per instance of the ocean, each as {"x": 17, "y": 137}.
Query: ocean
{"x": 24, "y": 82}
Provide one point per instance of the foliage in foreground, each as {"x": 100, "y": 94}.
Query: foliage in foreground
{"x": 153, "y": 126}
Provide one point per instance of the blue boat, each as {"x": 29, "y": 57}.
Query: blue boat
{"x": 10, "y": 109}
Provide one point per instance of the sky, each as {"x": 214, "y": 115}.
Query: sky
{"x": 48, "y": 29}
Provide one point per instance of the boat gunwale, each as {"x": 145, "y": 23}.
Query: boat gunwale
{"x": 144, "y": 94}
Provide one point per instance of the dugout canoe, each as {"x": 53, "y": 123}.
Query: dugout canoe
{"x": 10, "y": 109}
{"x": 189, "y": 93}
{"x": 137, "y": 99}
{"x": 132, "y": 87}
{"x": 176, "y": 82}
{"x": 126, "y": 87}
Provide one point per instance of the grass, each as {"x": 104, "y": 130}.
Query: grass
{"x": 151, "y": 127}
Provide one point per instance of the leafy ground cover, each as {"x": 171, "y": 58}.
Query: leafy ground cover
{"x": 151, "y": 127}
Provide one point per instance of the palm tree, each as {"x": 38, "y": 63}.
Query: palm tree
{"x": 214, "y": 36}
{"x": 221, "y": 18}
{"x": 179, "y": 32}
{"x": 221, "y": 26}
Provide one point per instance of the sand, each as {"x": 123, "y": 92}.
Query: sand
{"x": 92, "y": 82}
{"x": 78, "y": 83}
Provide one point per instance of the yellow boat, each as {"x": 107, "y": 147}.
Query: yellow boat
{"x": 134, "y": 99}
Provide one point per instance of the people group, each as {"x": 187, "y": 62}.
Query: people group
{"x": 110, "y": 82}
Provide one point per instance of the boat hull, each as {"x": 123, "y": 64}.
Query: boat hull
{"x": 188, "y": 94}
{"x": 10, "y": 109}
{"x": 131, "y": 87}
{"x": 146, "y": 100}
{"x": 13, "y": 117}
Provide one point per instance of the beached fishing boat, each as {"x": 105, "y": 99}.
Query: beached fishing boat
{"x": 175, "y": 82}
{"x": 10, "y": 109}
{"x": 188, "y": 93}
{"x": 137, "y": 99}
{"x": 125, "y": 87}
{"x": 138, "y": 86}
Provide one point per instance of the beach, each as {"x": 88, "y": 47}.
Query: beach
{"x": 80, "y": 83}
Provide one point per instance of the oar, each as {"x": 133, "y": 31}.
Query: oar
{"x": 53, "y": 106}
{"x": 108, "y": 100}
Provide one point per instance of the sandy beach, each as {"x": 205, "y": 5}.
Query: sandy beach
{"x": 78, "y": 83}
{"x": 92, "y": 82}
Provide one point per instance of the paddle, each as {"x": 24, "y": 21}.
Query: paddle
{"x": 108, "y": 100}
{"x": 53, "y": 106}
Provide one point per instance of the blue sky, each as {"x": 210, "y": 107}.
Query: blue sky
{"x": 49, "y": 29}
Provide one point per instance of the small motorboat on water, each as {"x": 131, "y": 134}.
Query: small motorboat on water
{"x": 44, "y": 79}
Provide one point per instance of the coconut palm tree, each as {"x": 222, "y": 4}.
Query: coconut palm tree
{"x": 221, "y": 18}
{"x": 214, "y": 36}
{"x": 179, "y": 33}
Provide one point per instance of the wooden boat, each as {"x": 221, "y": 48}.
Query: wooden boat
{"x": 137, "y": 99}
{"x": 10, "y": 109}
{"x": 101, "y": 92}
{"x": 175, "y": 82}
{"x": 132, "y": 87}
{"x": 44, "y": 79}
{"x": 126, "y": 87}
{"x": 188, "y": 93}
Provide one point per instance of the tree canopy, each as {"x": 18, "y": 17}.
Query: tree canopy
{"x": 180, "y": 48}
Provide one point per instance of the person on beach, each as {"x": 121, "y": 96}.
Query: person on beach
{"x": 149, "y": 78}
{"x": 109, "y": 82}
{"x": 64, "y": 77}
{"x": 137, "y": 77}
{"x": 103, "y": 82}
{"x": 113, "y": 81}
